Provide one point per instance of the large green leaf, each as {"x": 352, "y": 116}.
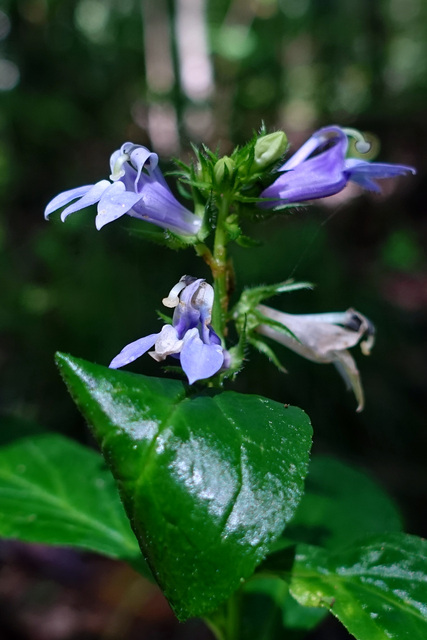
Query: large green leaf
{"x": 340, "y": 505}
{"x": 377, "y": 589}
{"x": 55, "y": 491}
{"x": 208, "y": 481}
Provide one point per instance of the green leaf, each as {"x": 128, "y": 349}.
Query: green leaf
{"x": 330, "y": 514}
{"x": 341, "y": 504}
{"x": 378, "y": 589}
{"x": 269, "y": 608}
{"x": 208, "y": 481}
{"x": 54, "y": 491}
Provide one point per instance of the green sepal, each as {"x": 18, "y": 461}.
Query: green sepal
{"x": 258, "y": 214}
{"x": 267, "y": 351}
{"x": 248, "y": 200}
{"x": 245, "y": 311}
{"x": 253, "y": 296}
{"x": 164, "y": 238}
{"x": 163, "y": 316}
{"x": 247, "y": 242}
{"x": 208, "y": 480}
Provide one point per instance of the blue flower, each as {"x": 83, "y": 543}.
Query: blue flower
{"x": 190, "y": 337}
{"x": 324, "y": 338}
{"x": 320, "y": 168}
{"x": 137, "y": 188}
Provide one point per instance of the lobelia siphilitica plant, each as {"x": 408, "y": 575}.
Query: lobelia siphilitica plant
{"x": 212, "y": 501}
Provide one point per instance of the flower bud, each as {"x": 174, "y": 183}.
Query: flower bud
{"x": 270, "y": 148}
{"x": 224, "y": 167}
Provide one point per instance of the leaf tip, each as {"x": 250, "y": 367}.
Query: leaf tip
{"x": 64, "y": 360}
{"x": 74, "y": 371}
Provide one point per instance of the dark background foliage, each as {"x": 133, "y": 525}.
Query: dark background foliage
{"x": 79, "y": 78}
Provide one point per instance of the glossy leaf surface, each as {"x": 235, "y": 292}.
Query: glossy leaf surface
{"x": 340, "y": 505}
{"x": 208, "y": 481}
{"x": 55, "y": 491}
{"x": 377, "y": 589}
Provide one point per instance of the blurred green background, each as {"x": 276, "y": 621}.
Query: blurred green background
{"x": 78, "y": 78}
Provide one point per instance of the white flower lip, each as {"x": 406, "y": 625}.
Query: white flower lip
{"x": 190, "y": 338}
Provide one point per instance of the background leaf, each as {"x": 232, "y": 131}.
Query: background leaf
{"x": 378, "y": 590}
{"x": 55, "y": 491}
{"x": 270, "y": 612}
{"x": 341, "y": 504}
{"x": 14, "y": 427}
{"x": 208, "y": 481}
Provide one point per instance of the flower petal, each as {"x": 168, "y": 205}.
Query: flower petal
{"x": 113, "y": 159}
{"x": 333, "y": 134}
{"x": 167, "y": 343}
{"x": 365, "y": 173}
{"x": 65, "y": 197}
{"x": 317, "y": 339}
{"x": 141, "y": 158}
{"x": 318, "y": 177}
{"x": 199, "y": 360}
{"x": 114, "y": 203}
{"x": 187, "y": 315}
{"x": 91, "y": 197}
{"x": 133, "y": 350}
{"x": 347, "y": 368}
{"x": 203, "y": 300}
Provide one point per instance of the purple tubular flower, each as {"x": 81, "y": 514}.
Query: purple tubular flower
{"x": 190, "y": 336}
{"x": 320, "y": 168}
{"x": 137, "y": 188}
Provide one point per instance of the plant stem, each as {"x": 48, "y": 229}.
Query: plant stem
{"x": 204, "y": 252}
{"x": 220, "y": 270}
{"x": 225, "y": 622}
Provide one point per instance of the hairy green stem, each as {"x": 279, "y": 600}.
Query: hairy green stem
{"x": 204, "y": 252}
{"x": 220, "y": 270}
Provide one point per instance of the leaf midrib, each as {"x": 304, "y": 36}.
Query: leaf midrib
{"x": 67, "y": 507}
{"x": 335, "y": 576}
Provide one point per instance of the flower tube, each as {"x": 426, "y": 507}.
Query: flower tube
{"x": 324, "y": 338}
{"x": 136, "y": 188}
{"x": 320, "y": 168}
